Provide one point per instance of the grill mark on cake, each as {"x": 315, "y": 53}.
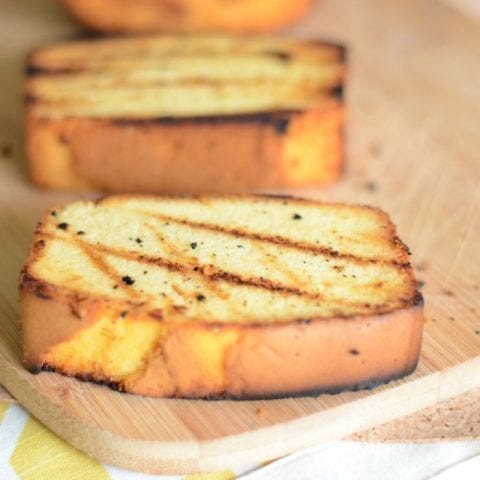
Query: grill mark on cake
{"x": 280, "y": 266}
{"x": 185, "y": 259}
{"x": 268, "y": 118}
{"x": 33, "y": 70}
{"x": 300, "y": 95}
{"x": 277, "y": 240}
{"x": 180, "y": 293}
{"x": 216, "y": 274}
{"x": 108, "y": 49}
{"x": 38, "y": 287}
{"x": 323, "y": 51}
{"x": 91, "y": 251}
{"x": 213, "y": 273}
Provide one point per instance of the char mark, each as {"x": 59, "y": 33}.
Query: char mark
{"x": 36, "y": 71}
{"x": 267, "y": 118}
{"x": 278, "y": 240}
{"x": 38, "y": 287}
{"x": 208, "y": 272}
{"x": 279, "y": 55}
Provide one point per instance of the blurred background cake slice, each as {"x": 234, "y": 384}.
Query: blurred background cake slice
{"x": 185, "y": 114}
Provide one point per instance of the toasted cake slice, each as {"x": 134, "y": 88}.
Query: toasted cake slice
{"x": 241, "y": 16}
{"x": 180, "y": 114}
{"x": 220, "y": 297}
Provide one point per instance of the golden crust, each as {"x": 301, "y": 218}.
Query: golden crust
{"x": 193, "y": 358}
{"x": 184, "y": 114}
{"x": 255, "y": 361}
{"x": 263, "y": 151}
{"x": 245, "y": 16}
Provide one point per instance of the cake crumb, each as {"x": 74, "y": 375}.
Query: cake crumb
{"x": 261, "y": 412}
{"x": 7, "y": 150}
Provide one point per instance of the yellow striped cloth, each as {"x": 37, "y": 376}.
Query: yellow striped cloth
{"x": 29, "y": 451}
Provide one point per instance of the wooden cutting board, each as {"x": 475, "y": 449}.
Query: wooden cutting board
{"x": 412, "y": 148}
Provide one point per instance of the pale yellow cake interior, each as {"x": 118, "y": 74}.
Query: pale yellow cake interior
{"x": 181, "y": 77}
{"x": 211, "y": 259}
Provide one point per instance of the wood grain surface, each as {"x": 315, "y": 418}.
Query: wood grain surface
{"x": 412, "y": 148}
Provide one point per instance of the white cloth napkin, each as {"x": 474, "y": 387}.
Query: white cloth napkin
{"x": 370, "y": 461}
{"x": 344, "y": 460}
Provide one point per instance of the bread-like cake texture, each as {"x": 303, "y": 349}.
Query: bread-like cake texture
{"x": 185, "y": 114}
{"x": 220, "y": 297}
{"x": 140, "y": 16}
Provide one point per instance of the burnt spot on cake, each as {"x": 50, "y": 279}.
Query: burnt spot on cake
{"x": 38, "y": 245}
{"x": 30, "y": 99}
{"x": 74, "y": 309}
{"x": 127, "y": 280}
{"x": 39, "y": 288}
{"x": 417, "y": 300}
{"x": 32, "y": 70}
{"x": 36, "y": 369}
{"x": 303, "y": 321}
{"x": 156, "y": 313}
{"x": 337, "y": 92}
{"x": 371, "y": 186}
{"x": 279, "y": 55}
{"x": 278, "y": 118}
{"x": 63, "y": 140}
{"x": 281, "y": 125}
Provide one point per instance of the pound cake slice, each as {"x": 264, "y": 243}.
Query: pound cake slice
{"x": 135, "y": 16}
{"x": 185, "y": 114}
{"x": 233, "y": 297}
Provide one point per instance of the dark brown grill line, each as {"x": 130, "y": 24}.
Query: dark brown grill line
{"x": 205, "y": 271}
{"x": 189, "y": 260}
{"x": 277, "y": 240}
{"x": 35, "y": 284}
{"x": 280, "y": 266}
{"x": 91, "y": 251}
{"x": 212, "y": 273}
{"x": 332, "y": 54}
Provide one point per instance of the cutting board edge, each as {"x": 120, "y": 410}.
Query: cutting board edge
{"x": 185, "y": 457}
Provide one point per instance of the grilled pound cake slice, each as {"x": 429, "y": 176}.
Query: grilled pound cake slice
{"x": 237, "y": 297}
{"x": 176, "y": 114}
{"x": 135, "y": 16}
